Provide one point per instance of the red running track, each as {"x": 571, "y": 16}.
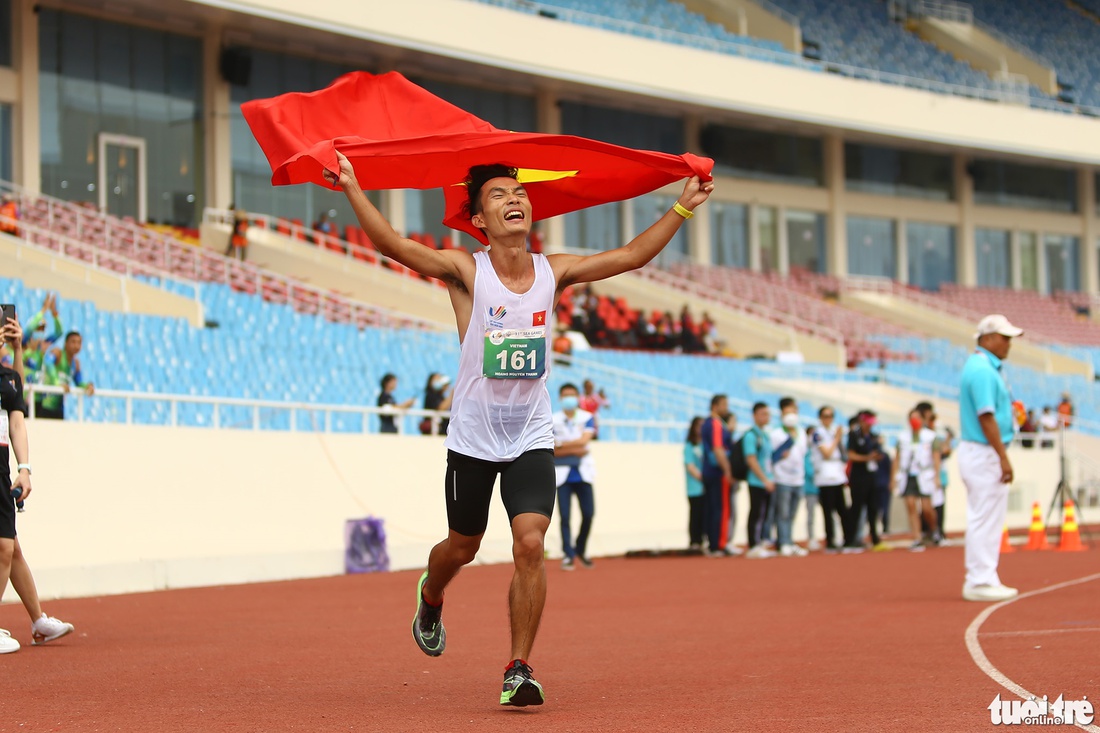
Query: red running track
{"x": 826, "y": 643}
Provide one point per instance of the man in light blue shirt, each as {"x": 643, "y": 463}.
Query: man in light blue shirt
{"x": 985, "y": 413}
{"x": 757, "y": 447}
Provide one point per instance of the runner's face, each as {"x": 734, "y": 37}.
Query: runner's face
{"x": 505, "y": 208}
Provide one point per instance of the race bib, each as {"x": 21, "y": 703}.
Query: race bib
{"x": 514, "y": 353}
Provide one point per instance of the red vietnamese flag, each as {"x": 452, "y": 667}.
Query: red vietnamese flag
{"x": 399, "y": 135}
{"x": 539, "y": 319}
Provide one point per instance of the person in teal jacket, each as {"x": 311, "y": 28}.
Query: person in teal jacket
{"x": 693, "y": 477}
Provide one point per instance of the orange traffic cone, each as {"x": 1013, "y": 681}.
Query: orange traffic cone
{"x": 1037, "y": 535}
{"x": 1006, "y": 546}
{"x": 1071, "y": 536}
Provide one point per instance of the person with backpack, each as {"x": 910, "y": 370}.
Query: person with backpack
{"x": 830, "y": 474}
{"x": 717, "y": 477}
{"x": 757, "y": 447}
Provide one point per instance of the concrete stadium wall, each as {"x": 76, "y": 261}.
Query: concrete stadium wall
{"x": 125, "y": 509}
{"x": 74, "y": 280}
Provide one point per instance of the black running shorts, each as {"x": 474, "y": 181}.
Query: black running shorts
{"x": 7, "y": 507}
{"x": 527, "y": 485}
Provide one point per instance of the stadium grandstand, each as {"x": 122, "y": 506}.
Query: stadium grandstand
{"x": 886, "y": 174}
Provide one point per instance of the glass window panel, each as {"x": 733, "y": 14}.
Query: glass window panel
{"x": 872, "y": 247}
{"x": 505, "y": 110}
{"x": 648, "y": 209}
{"x": 993, "y": 254}
{"x": 273, "y": 74}
{"x": 729, "y": 234}
{"x": 763, "y": 155}
{"x": 101, "y": 77}
{"x": 806, "y": 240}
{"x": 1062, "y": 263}
{"x": 767, "y": 231}
{"x": 623, "y": 127}
{"x": 599, "y": 227}
{"x": 931, "y": 251}
{"x": 997, "y": 183}
{"x": 1029, "y": 263}
{"x": 892, "y": 172}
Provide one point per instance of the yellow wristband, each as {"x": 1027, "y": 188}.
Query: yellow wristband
{"x": 687, "y": 214}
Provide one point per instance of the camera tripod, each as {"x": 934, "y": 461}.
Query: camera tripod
{"x": 1063, "y": 494}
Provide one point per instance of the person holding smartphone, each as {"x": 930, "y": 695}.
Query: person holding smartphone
{"x": 13, "y": 436}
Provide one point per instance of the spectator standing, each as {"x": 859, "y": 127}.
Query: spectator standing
{"x": 238, "y": 234}
{"x": 788, "y": 444}
{"x": 917, "y": 476}
{"x": 36, "y": 342}
{"x": 593, "y": 400}
{"x": 1048, "y": 424}
{"x": 13, "y": 436}
{"x": 830, "y": 461}
{"x": 693, "y": 478}
{"x": 945, "y": 444}
{"x": 864, "y": 452}
{"x": 734, "y": 487}
{"x": 884, "y": 488}
{"x": 717, "y": 476}
{"x": 9, "y": 213}
{"x": 1029, "y": 428}
{"x": 389, "y": 404}
{"x": 810, "y": 491}
{"x": 62, "y": 369}
{"x": 1066, "y": 411}
{"x": 757, "y": 447}
{"x": 575, "y": 470}
{"x": 437, "y": 396}
{"x": 985, "y": 412}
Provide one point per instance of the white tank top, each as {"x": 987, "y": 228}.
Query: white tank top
{"x": 501, "y": 407}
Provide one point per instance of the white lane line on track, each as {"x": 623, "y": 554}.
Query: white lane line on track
{"x": 1037, "y": 632}
{"x": 975, "y": 648}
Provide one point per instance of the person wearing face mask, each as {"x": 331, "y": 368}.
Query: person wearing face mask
{"x": 575, "y": 471}
{"x": 788, "y": 445}
{"x": 917, "y": 475}
{"x": 717, "y": 475}
{"x": 437, "y": 396}
{"x": 864, "y": 453}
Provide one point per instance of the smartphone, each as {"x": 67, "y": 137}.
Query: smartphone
{"x": 8, "y": 311}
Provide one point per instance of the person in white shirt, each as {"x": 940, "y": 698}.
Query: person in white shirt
{"x": 789, "y": 465}
{"x": 575, "y": 471}
{"x": 830, "y": 461}
{"x": 917, "y": 476}
{"x": 504, "y": 299}
{"x": 1048, "y": 424}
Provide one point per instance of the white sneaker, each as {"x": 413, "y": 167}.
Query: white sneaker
{"x": 48, "y": 628}
{"x": 813, "y": 545}
{"x": 759, "y": 553}
{"x": 7, "y": 644}
{"x": 792, "y": 551}
{"x": 988, "y": 593}
{"x": 734, "y": 551}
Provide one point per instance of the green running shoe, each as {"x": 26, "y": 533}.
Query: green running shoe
{"x": 428, "y": 629}
{"x": 520, "y": 688}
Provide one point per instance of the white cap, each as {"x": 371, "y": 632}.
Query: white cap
{"x": 997, "y": 324}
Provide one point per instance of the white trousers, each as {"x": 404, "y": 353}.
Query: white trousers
{"x": 986, "y": 508}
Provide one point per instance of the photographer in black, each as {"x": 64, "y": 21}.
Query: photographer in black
{"x": 864, "y": 453}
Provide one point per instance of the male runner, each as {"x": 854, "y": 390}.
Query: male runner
{"x": 501, "y": 420}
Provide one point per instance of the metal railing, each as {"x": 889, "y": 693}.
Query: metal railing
{"x": 865, "y": 375}
{"x": 173, "y": 410}
{"x": 41, "y": 239}
{"x": 72, "y": 223}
